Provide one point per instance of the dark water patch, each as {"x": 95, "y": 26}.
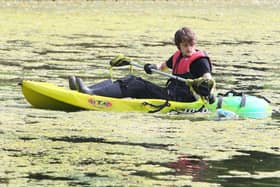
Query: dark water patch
{"x": 91, "y": 36}
{"x": 93, "y": 174}
{"x": 31, "y": 121}
{"x": 252, "y": 163}
{"x": 249, "y": 182}
{"x": 225, "y": 64}
{"x": 246, "y": 54}
{"x": 49, "y": 67}
{"x": 42, "y": 116}
{"x": 145, "y": 145}
{"x": 206, "y": 43}
{"x": 235, "y": 74}
{"x": 4, "y": 180}
{"x": 33, "y": 60}
{"x": 237, "y": 42}
{"x": 23, "y": 153}
{"x": 249, "y": 87}
{"x": 197, "y": 119}
{"x": 9, "y": 81}
{"x": 55, "y": 161}
{"x": 170, "y": 129}
{"x": 197, "y": 18}
{"x": 45, "y": 52}
{"x": 79, "y": 183}
{"x": 80, "y": 139}
{"x": 80, "y": 36}
{"x": 158, "y": 44}
{"x": 66, "y": 37}
{"x": 75, "y": 67}
{"x": 273, "y": 43}
{"x": 6, "y": 49}
{"x": 252, "y": 78}
{"x": 189, "y": 116}
{"x": 139, "y": 58}
{"x": 27, "y": 138}
{"x": 88, "y": 161}
{"x": 8, "y": 62}
{"x": 11, "y": 150}
{"x": 174, "y": 116}
{"x": 114, "y": 153}
{"x": 45, "y": 176}
{"x": 22, "y": 43}
{"x": 100, "y": 161}
{"x": 276, "y": 112}
{"x": 104, "y": 57}
{"x": 251, "y": 67}
{"x": 93, "y": 45}
{"x": 277, "y": 149}
{"x": 256, "y": 62}
{"x": 153, "y": 175}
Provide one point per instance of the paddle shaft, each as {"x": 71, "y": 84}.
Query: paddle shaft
{"x": 163, "y": 73}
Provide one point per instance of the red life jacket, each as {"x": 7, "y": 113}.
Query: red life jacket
{"x": 182, "y": 65}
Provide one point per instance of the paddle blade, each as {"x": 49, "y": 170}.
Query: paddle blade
{"x": 120, "y": 60}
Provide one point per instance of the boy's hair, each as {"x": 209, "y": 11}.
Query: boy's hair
{"x": 184, "y": 35}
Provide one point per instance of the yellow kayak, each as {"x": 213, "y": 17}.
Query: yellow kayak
{"x": 49, "y": 96}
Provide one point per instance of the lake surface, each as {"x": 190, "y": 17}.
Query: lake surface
{"x": 48, "y": 41}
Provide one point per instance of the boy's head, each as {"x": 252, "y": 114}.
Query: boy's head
{"x": 184, "y": 35}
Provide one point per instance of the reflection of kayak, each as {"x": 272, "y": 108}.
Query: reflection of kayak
{"x": 48, "y": 96}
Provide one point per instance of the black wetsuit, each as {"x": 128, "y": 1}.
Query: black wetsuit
{"x": 136, "y": 87}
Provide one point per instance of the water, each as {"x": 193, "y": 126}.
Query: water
{"x": 48, "y": 41}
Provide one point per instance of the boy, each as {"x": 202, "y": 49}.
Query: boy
{"x": 187, "y": 62}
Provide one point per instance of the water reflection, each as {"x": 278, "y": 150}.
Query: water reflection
{"x": 190, "y": 166}
{"x": 254, "y": 168}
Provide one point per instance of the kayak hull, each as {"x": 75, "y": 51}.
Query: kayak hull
{"x": 48, "y": 96}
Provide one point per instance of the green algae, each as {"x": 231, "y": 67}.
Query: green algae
{"x": 48, "y": 41}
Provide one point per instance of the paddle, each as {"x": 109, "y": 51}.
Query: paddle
{"x": 201, "y": 86}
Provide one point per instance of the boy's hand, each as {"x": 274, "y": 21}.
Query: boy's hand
{"x": 148, "y": 68}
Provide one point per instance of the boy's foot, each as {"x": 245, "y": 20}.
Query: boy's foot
{"x": 72, "y": 82}
{"x": 81, "y": 87}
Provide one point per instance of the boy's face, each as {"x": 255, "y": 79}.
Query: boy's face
{"x": 187, "y": 49}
